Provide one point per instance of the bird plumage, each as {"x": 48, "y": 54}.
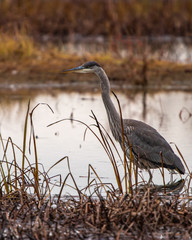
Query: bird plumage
{"x": 150, "y": 147}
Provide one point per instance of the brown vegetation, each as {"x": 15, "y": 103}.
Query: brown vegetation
{"x": 34, "y": 34}
{"x": 100, "y": 17}
{"x": 28, "y": 210}
{"x": 144, "y": 216}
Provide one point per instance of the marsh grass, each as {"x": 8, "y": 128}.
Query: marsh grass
{"x": 28, "y": 208}
{"x": 111, "y": 18}
{"x": 23, "y": 58}
{"x": 39, "y": 38}
{"x": 21, "y": 175}
{"x": 17, "y": 46}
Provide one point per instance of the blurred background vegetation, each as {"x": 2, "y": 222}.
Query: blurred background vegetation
{"x": 100, "y": 17}
{"x": 40, "y": 35}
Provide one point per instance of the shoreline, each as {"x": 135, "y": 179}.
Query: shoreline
{"x": 158, "y": 75}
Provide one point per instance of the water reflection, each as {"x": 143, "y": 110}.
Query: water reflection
{"x": 160, "y": 110}
{"x": 173, "y": 187}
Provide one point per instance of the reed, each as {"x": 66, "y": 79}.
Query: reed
{"x": 24, "y": 178}
{"x": 16, "y": 46}
{"x": 111, "y": 18}
{"x": 107, "y": 144}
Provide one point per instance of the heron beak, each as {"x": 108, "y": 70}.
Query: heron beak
{"x": 79, "y": 69}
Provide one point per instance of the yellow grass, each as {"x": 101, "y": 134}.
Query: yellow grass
{"x": 18, "y": 46}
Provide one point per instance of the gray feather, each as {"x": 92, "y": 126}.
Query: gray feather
{"x": 148, "y": 145}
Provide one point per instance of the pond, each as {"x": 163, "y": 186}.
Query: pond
{"x": 159, "y": 109}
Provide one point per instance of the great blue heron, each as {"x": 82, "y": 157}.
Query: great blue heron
{"x": 149, "y": 148}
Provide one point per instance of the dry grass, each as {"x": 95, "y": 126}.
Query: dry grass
{"x": 32, "y": 34}
{"x": 23, "y": 60}
{"x": 29, "y": 210}
{"x": 145, "y": 216}
{"x": 19, "y": 46}
{"x": 27, "y": 207}
{"x": 100, "y": 17}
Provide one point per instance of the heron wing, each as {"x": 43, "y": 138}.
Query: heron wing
{"x": 147, "y": 144}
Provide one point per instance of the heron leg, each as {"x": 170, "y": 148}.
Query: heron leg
{"x": 150, "y": 176}
{"x": 171, "y": 177}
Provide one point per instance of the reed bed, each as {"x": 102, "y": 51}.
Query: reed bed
{"x": 100, "y": 17}
{"x": 144, "y": 216}
{"x": 130, "y": 210}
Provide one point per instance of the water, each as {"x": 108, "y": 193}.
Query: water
{"x": 161, "y": 110}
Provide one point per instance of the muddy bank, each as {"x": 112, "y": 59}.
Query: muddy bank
{"x": 15, "y": 76}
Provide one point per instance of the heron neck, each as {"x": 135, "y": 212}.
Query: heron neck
{"x": 112, "y": 113}
{"x": 105, "y": 84}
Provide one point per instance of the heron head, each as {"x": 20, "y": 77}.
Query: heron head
{"x": 87, "y": 67}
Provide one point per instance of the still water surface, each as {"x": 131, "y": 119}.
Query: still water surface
{"x": 66, "y": 138}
